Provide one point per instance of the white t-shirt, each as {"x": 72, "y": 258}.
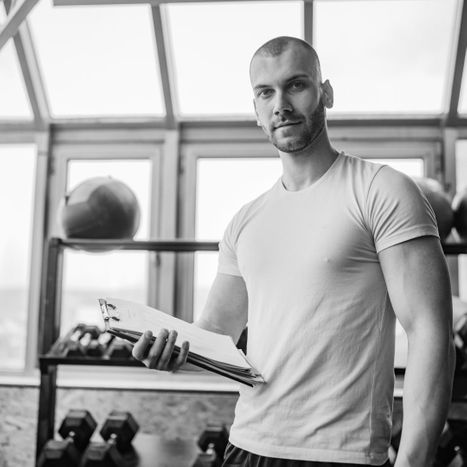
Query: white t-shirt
{"x": 320, "y": 322}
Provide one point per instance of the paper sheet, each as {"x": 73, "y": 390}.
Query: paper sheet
{"x": 137, "y": 317}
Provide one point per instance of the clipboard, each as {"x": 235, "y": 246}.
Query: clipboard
{"x": 210, "y": 351}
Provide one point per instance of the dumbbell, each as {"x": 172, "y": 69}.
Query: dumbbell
{"x": 118, "y": 431}
{"x": 83, "y": 342}
{"x": 212, "y": 442}
{"x": 96, "y": 346}
{"x": 76, "y": 431}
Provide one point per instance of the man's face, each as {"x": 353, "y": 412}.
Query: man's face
{"x": 287, "y": 98}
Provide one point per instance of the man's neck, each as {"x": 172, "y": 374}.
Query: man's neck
{"x": 302, "y": 169}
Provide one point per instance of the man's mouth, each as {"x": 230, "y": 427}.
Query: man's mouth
{"x": 285, "y": 124}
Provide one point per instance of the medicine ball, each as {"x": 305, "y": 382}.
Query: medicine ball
{"x": 459, "y": 205}
{"x": 100, "y": 208}
{"x": 440, "y": 202}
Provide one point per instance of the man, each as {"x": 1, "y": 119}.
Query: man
{"x": 319, "y": 266}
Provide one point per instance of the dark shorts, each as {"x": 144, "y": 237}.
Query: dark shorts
{"x": 236, "y": 457}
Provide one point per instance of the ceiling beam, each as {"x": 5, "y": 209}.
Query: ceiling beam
{"x": 308, "y": 10}
{"x": 132, "y": 2}
{"x": 458, "y": 69}
{"x": 16, "y": 16}
{"x": 165, "y": 67}
{"x": 31, "y": 73}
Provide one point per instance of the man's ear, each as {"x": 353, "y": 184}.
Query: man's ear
{"x": 328, "y": 94}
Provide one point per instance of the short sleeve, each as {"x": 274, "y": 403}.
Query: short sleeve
{"x": 228, "y": 263}
{"x": 397, "y": 210}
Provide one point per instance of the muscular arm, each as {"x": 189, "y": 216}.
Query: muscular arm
{"x": 418, "y": 284}
{"x": 226, "y": 308}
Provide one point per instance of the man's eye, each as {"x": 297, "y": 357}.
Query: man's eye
{"x": 296, "y": 85}
{"x": 265, "y": 93}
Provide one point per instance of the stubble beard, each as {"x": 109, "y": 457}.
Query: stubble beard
{"x": 308, "y": 135}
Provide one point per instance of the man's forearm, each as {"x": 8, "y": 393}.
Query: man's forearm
{"x": 427, "y": 393}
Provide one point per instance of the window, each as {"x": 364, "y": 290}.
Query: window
{"x": 15, "y": 102}
{"x": 223, "y": 185}
{"x": 383, "y": 57}
{"x": 211, "y": 76}
{"x": 461, "y": 183}
{"x": 124, "y": 274}
{"x": 17, "y": 181}
{"x": 104, "y": 62}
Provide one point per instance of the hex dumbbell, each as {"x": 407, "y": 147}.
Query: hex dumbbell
{"x": 212, "y": 442}
{"x": 118, "y": 432}
{"x": 76, "y": 431}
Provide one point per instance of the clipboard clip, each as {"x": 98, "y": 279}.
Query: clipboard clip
{"x": 109, "y": 311}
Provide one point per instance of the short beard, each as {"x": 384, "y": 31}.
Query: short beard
{"x": 308, "y": 136}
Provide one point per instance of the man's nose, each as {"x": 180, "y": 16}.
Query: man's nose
{"x": 282, "y": 104}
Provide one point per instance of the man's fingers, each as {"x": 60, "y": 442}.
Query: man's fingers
{"x": 141, "y": 348}
{"x": 182, "y": 356}
{"x": 160, "y": 355}
{"x": 157, "y": 348}
{"x": 165, "y": 357}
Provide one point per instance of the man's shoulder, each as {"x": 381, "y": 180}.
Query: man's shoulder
{"x": 361, "y": 165}
{"x": 254, "y": 205}
{"x": 373, "y": 173}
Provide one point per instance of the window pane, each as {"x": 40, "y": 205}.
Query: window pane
{"x": 383, "y": 56}
{"x": 463, "y": 95}
{"x": 212, "y": 75}
{"x": 13, "y": 97}
{"x": 98, "y": 60}
{"x": 461, "y": 183}
{"x": 89, "y": 276}
{"x": 223, "y": 186}
{"x": 17, "y": 180}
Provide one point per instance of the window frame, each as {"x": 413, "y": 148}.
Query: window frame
{"x": 62, "y": 154}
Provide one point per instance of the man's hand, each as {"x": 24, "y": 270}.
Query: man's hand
{"x": 160, "y": 355}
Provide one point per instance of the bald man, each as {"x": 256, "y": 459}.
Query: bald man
{"x": 320, "y": 266}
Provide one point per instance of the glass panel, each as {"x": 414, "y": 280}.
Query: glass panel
{"x": 223, "y": 186}
{"x": 13, "y": 95}
{"x": 104, "y": 63}
{"x": 17, "y": 180}
{"x": 463, "y": 96}
{"x": 461, "y": 183}
{"x": 383, "y": 56}
{"x": 212, "y": 75}
{"x": 88, "y": 276}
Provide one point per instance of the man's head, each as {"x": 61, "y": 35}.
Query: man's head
{"x": 289, "y": 97}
